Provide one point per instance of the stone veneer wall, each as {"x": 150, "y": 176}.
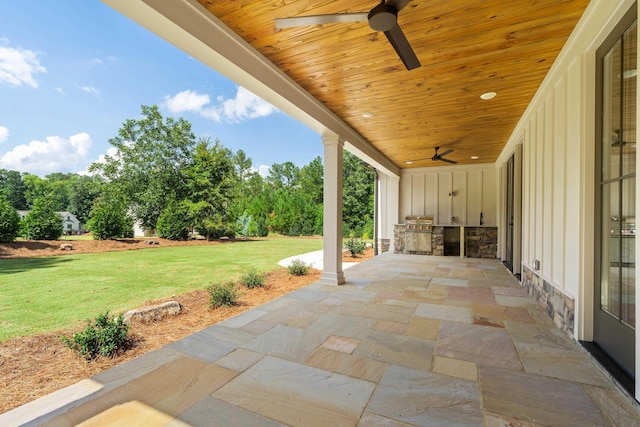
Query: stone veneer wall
{"x": 398, "y": 238}
{"x": 383, "y": 245}
{"x": 437, "y": 241}
{"x": 559, "y": 307}
{"x": 481, "y": 242}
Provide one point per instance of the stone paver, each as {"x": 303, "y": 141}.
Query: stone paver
{"x": 408, "y": 341}
{"x": 536, "y": 399}
{"x": 425, "y": 398}
{"x": 298, "y": 394}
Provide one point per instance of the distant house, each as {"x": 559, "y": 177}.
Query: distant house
{"x": 71, "y": 224}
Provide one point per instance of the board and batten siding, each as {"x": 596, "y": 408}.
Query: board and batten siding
{"x": 444, "y": 192}
{"x": 557, "y": 131}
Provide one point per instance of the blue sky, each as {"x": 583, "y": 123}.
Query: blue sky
{"x": 72, "y": 71}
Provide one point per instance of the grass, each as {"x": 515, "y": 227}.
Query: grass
{"x": 45, "y": 294}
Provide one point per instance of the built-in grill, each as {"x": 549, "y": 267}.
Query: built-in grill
{"x": 418, "y": 234}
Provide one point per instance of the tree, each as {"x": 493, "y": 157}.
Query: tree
{"x": 152, "y": 154}
{"x": 210, "y": 181}
{"x": 9, "y": 220}
{"x": 42, "y": 222}
{"x": 258, "y": 206}
{"x": 283, "y": 175}
{"x": 243, "y": 176}
{"x": 357, "y": 197}
{"x": 109, "y": 218}
{"x": 13, "y": 187}
{"x": 58, "y": 186}
{"x": 312, "y": 180}
{"x": 84, "y": 190}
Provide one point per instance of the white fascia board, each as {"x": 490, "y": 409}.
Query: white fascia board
{"x": 191, "y": 28}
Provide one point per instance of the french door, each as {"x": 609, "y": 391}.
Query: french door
{"x": 614, "y": 321}
{"x": 510, "y": 213}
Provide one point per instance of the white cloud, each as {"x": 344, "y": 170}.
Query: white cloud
{"x": 244, "y": 106}
{"x": 60, "y": 91}
{"x": 4, "y": 134}
{"x": 90, "y": 89}
{"x": 111, "y": 152}
{"x": 186, "y": 101}
{"x": 55, "y": 154}
{"x": 17, "y": 66}
{"x": 262, "y": 170}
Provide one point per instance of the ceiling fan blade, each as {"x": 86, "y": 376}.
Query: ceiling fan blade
{"x": 403, "y": 48}
{"x": 445, "y": 153}
{"x": 398, "y": 4}
{"x": 301, "y": 21}
{"x": 447, "y": 160}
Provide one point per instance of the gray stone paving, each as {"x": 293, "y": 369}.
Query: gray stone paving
{"x": 408, "y": 341}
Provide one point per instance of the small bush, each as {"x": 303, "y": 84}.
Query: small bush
{"x": 106, "y": 337}
{"x": 355, "y": 246}
{"x": 223, "y": 294}
{"x": 9, "y": 221}
{"x": 252, "y": 279}
{"x": 298, "y": 268}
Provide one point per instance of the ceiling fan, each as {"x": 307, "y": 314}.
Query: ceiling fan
{"x": 383, "y": 17}
{"x": 440, "y": 156}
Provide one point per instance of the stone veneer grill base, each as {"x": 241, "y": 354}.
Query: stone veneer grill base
{"x": 559, "y": 307}
{"x": 480, "y": 242}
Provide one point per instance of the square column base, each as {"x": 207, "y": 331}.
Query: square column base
{"x": 329, "y": 278}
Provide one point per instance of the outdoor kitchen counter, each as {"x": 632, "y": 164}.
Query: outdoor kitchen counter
{"x": 471, "y": 241}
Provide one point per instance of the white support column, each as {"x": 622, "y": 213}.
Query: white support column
{"x": 389, "y": 203}
{"x": 333, "y": 159}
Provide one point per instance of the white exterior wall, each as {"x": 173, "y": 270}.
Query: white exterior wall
{"x": 558, "y": 134}
{"x": 426, "y": 191}
{"x": 387, "y": 209}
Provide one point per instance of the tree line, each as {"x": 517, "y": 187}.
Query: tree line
{"x": 177, "y": 184}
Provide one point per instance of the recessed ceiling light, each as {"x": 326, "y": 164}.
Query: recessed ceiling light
{"x": 488, "y": 95}
{"x": 409, "y": 162}
{"x": 475, "y": 157}
{"x": 630, "y": 73}
{"x": 367, "y": 115}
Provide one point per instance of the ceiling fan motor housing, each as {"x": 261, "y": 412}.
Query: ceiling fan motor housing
{"x": 383, "y": 17}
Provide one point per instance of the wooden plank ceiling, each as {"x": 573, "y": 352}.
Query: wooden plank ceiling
{"x": 466, "y": 47}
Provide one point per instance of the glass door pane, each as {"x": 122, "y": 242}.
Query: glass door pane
{"x": 610, "y": 250}
{"x": 611, "y": 126}
{"x": 628, "y": 253}
{"x": 629, "y": 84}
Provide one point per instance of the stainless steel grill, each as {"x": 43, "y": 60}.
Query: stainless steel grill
{"x": 418, "y": 233}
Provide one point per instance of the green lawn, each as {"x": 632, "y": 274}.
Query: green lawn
{"x": 46, "y": 294}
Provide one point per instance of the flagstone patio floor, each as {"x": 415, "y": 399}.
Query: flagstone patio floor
{"x": 408, "y": 341}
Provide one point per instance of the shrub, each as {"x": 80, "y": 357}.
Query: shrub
{"x": 252, "y": 279}
{"x": 298, "y": 268}
{"x": 109, "y": 219}
{"x": 243, "y": 225}
{"x": 355, "y": 246}
{"x": 106, "y": 337}
{"x": 42, "y": 222}
{"x": 223, "y": 294}
{"x": 174, "y": 222}
{"x": 9, "y": 221}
